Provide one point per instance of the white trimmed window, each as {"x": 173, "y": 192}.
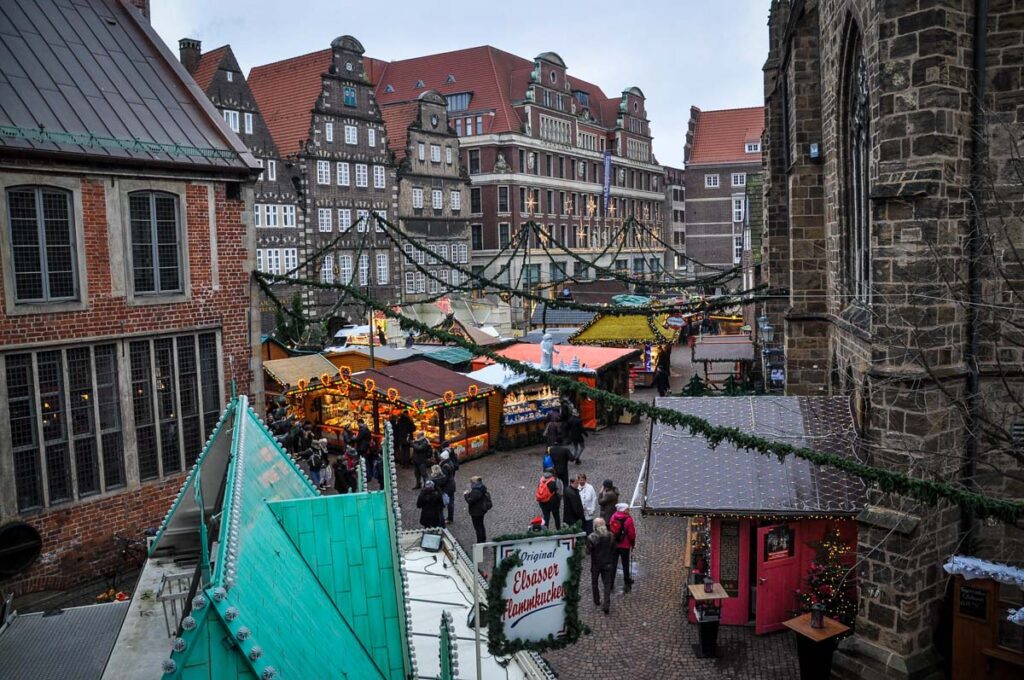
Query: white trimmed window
{"x": 710, "y": 181}
{"x": 437, "y": 199}
{"x": 378, "y": 177}
{"x": 344, "y": 269}
{"x": 382, "y": 215}
{"x": 287, "y": 215}
{"x": 329, "y": 132}
{"x": 344, "y": 219}
{"x": 460, "y": 253}
{"x": 342, "y": 173}
{"x": 351, "y": 134}
{"x": 260, "y": 162}
{"x": 273, "y": 261}
{"x": 371, "y": 137}
{"x": 383, "y": 271}
{"x": 421, "y": 282}
{"x": 737, "y": 208}
{"x": 410, "y": 282}
{"x": 448, "y": 155}
{"x": 231, "y": 118}
{"x": 364, "y": 270}
{"x": 272, "y": 170}
{"x": 248, "y": 122}
{"x": 327, "y": 269}
{"x": 407, "y": 249}
{"x": 737, "y": 248}
{"x": 291, "y": 261}
{"x": 739, "y": 179}
{"x": 417, "y": 197}
{"x": 324, "y": 221}
{"x": 323, "y": 172}
{"x": 753, "y": 147}
{"x": 257, "y": 215}
{"x": 443, "y": 251}
{"x": 421, "y": 256}
{"x": 362, "y": 176}
{"x": 433, "y": 284}
{"x": 444, "y": 277}
{"x": 362, "y": 217}
{"x": 259, "y": 260}
{"x": 421, "y": 151}
{"x": 435, "y": 153}
{"x": 271, "y": 216}
{"x": 456, "y": 200}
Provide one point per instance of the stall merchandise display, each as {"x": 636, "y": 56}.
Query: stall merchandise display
{"x": 530, "y": 406}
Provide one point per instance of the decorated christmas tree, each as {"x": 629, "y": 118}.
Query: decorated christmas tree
{"x": 830, "y": 580}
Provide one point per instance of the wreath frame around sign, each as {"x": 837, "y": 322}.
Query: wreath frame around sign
{"x": 497, "y": 643}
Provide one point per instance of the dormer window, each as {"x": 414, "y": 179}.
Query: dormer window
{"x": 582, "y": 97}
{"x": 459, "y": 101}
{"x": 753, "y": 147}
{"x": 230, "y": 76}
{"x": 554, "y": 77}
{"x": 450, "y": 79}
{"x": 420, "y": 84}
{"x": 389, "y": 88}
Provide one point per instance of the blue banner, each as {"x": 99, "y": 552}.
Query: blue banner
{"x": 607, "y": 178}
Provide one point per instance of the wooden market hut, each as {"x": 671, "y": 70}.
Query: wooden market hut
{"x": 752, "y": 518}
{"x": 648, "y": 333}
{"x": 723, "y": 355}
{"x": 357, "y": 358}
{"x": 284, "y": 375}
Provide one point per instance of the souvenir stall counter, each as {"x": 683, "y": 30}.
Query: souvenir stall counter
{"x": 649, "y": 334}
{"x": 748, "y": 521}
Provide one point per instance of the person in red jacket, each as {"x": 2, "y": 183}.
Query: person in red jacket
{"x": 624, "y": 536}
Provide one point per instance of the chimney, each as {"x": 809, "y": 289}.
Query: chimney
{"x": 143, "y": 6}
{"x": 189, "y": 50}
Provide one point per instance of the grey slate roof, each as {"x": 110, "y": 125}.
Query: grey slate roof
{"x": 559, "y": 316}
{"x": 688, "y": 477}
{"x": 91, "y": 78}
{"x": 66, "y": 643}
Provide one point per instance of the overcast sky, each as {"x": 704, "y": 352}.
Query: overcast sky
{"x": 679, "y": 52}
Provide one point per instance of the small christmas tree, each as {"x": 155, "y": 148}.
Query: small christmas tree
{"x": 829, "y": 580}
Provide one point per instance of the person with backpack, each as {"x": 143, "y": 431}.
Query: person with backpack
{"x": 478, "y": 501}
{"x": 431, "y": 506}
{"x": 601, "y": 549}
{"x": 624, "y": 536}
{"x": 549, "y": 498}
{"x": 440, "y": 482}
{"x": 607, "y": 498}
{"x": 449, "y": 468}
{"x": 572, "y": 512}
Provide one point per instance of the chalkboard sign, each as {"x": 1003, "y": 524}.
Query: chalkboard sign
{"x": 973, "y": 602}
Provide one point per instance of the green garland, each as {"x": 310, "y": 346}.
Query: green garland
{"x": 497, "y": 643}
{"x": 924, "y": 490}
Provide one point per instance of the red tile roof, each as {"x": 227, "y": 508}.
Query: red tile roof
{"x": 721, "y": 136}
{"x": 590, "y": 356}
{"x": 207, "y": 67}
{"x": 397, "y": 119}
{"x": 286, "y": 91}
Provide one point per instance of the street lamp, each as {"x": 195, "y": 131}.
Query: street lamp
{"x": 762, "y": 321}
{"x": 768, "y": 332}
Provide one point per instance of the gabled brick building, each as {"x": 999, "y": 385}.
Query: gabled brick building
{"x": 675, "y": 218}
{"x": 278, "y": 214}
{"x": 126, "y": 253}
{"x": 323, "y": 118}
{"x": 723, "y": 148}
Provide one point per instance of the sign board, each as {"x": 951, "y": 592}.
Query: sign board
{"x": 779, "y": 543}
{"x": 676, "y": 322}
{"x": 534, "y": 591}
{"x": 973, "y": 602}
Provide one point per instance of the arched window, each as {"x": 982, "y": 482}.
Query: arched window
{"x": 856, "y": 152}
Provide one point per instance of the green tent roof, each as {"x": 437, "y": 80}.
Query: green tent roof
{"x": 450, "y": 355}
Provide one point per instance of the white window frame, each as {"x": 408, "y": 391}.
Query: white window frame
{"x": 324, "y": 220}
{"x": 421, "y": 151}
{"x": 247, "y": 118}
{"x": 257, "y": 215}
{"x": 739, "y": 179}
{"x": 421, "y": 282}
{"x": 323, "y": 172}
{"x": 410, "y": 282}
{"x": 270, "y": 215}
{"x": 327, "y": 269}
{"x": 448, "y": 155}
{"x": 273, "y": 261}
{"x": 272, "y": 170}
{"x": 417, "y": 198}
{"x": 329, "y": 132}
{"x": 351, "y": 135}
{"x": 379, "y": 180}
{"x": 383, "y": 270}
{"x": 435, "y": 153}
{"x": 342, "y": 172}
{"x": 259, "y": 260}
{"x": 738, "y": 208}
{"x": 437, "y": 199}
{"x": 456, "y": 199}
{"x": 287, "y": 215}
{"x": 344, "y": 219}
{"x": 363, "y": 218}
{"x": 378, "y": 224}
{"x": 345, "y": 269}
{"x": 290, "y": 257}
{"x": 753, "y": 147}
{"x": 364, "y": 270}
{"x": 711, "y": 181}
{"x": 737, "y": 248}
{"x": 231, "y": 118}
{"x": 362, "y": 175}
{"x": 259, "y": 161}
{"x": 371, "y": 137}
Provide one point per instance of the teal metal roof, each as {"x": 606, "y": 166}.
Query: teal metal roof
{"x": 450, "y": 355}
{"x": 305, "y": 585}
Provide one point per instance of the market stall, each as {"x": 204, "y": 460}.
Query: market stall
{"x": 650, "y": 334}
{"x": 723, "y": 356}
{"x": 444, "y": 404}
{"x": 523, "y": 406}
{"x": 285, "y": 375}
{"x": 753, "y": 519}
{"x": 528, "y": 401}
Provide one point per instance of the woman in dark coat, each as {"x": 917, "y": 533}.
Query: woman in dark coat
{"x": 431, "y": 505}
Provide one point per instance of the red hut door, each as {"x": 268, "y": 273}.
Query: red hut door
{"x": 778, "y": 576}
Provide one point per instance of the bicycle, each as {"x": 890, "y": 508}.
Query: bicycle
{"x": 131, "y": 555}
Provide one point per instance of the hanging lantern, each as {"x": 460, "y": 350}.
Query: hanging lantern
{"x": 393, "y": 393}
{"x": 473, "y": 391}
{"x": 369, "y": 385}
{"x": 449, "y": 397}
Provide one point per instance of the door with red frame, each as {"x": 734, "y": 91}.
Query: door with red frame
{"x": 778, "y": 575}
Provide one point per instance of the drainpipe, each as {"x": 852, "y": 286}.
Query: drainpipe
{"x": 979, "y": 149}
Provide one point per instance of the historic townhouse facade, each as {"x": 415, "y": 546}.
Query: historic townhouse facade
{"x": 675, "y": 219}
{"x": 892, "y": 200}
{"x": 536, "y": 142}
{"x": 433, "y": 190}
{"x": 277, "y": 211}
{"x": 723, "y": 149}
{"x": 126, "y": 253}
{"x": 322, "y": 116}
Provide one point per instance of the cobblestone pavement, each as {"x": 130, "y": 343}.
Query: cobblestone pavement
{"x": 646, "y": 635}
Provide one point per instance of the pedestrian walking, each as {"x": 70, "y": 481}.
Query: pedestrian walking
{"x": 431, "y": 506}
{"x": 328, "y": 481}
{"x": 553, "y": 430}
{"x": 440, "y": 483}
{"x": 661, "y": 375}
{"x": 575, "y": 436}
{"x": 560, "y": 462}
{"x": 572, "y": 505}
{"x": 404, "y": 428}
{"x": 422, "y": 452}
{"x": 549, "y": 496}
{"x": 602, "y": 564}
{"x": 623, "y": 532}
{"x": 607, "y": 498}
{"x": 448, "y": 468}
{"x": 589, "y": 499}
{"x": 478, "y": 502}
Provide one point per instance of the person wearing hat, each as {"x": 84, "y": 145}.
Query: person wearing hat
{"x": 607, "y": 498}
{"x": 448, "y": 467}
{"x": 624, "y": 537}
{"x": 431, "y": 506}
{"x": 421, "y": 455}
{"x": 536, "y": 525}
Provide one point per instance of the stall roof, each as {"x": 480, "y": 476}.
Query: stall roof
{"x": 498, "y": 375}
{"x": 625, "y": 330}
{"x": 559, "y": 335}
{"x": 593, "y": 358}
{"x": 450, "y": 355}
{"x": 686, "y": 476}
{"x": 723, "y": 348}
{"x": 560, "y": 316}
{"x": 418, "y": 380}
{"x": 290, "y": 371}
{"x": 384, "y": 353}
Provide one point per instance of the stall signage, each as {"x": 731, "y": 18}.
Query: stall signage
{"x": 973, "y": 602}
{"x": 534, "y": 592}
{"x": 676, "y": 322}
{"x": 778, "y": 543}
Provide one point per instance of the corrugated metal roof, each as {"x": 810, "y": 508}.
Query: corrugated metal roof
{"x": 559, "y": 316}
{"x": 88, "y": 78}
{"x": 290, "y": 371}
{"x": 687, "y": 476}
{"x": 450, "y": 355}
{"x": 723, "y": 348}
{"x": 63, "y": 644}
